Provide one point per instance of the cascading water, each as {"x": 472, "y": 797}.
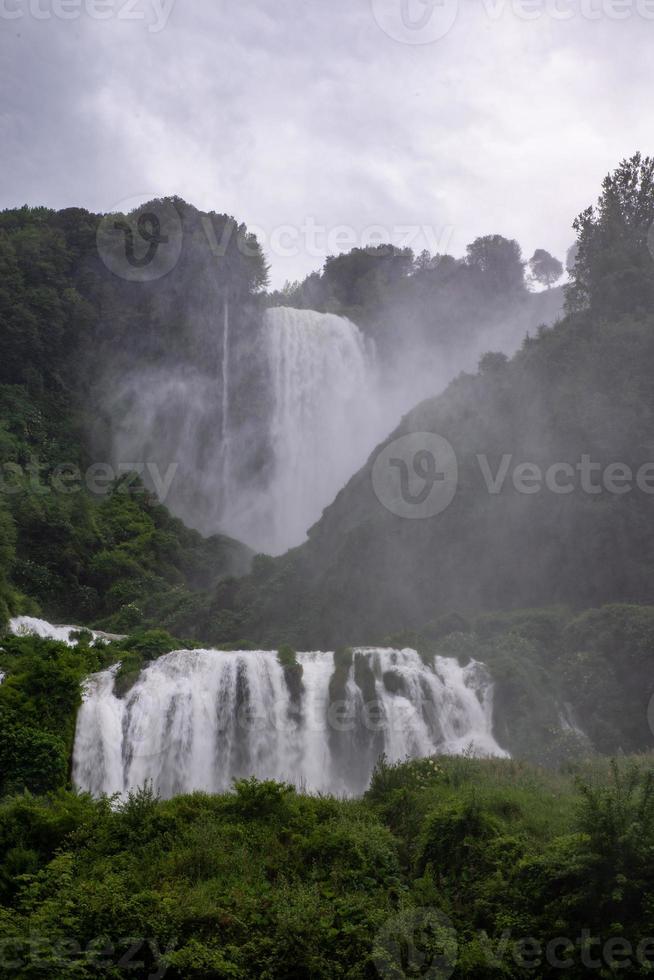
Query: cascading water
{"x": 31, "y": 626}
{"x": 258, "y": 461}
{"x": 324, "y": 420}
{"x": 226, "y": 440}
{"x": 196, "y": 720}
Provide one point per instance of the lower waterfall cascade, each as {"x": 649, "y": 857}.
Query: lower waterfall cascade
{"x": 198, "y": 720}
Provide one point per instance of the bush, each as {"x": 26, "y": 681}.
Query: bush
{"x": 30, "y": 759}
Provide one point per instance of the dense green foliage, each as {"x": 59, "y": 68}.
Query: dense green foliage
{"x": 78, "y": 544}
{"x": 558, "y": 675}
{"x": 39, "y": 698}
{"x": 41, "y": 691}
{"x": 7, "y": 545}
{"x": 119, "y": 561}
{"x": 470, "y": 862}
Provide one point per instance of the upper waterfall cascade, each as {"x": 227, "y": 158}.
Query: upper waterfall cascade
{"x": 197, "y": 720}
{"x": 258, "y": 460}
{"x": 322, "y": 429}
{"x": 225, "y": 427}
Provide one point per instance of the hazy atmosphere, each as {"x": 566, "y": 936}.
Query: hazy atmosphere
{"x": 306, "y": 115}
{"x": 326, "y": 489}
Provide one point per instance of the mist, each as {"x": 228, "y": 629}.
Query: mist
{"x": 270, "y": 406}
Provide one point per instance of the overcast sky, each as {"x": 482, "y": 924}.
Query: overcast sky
{"x": 328, "y": 113}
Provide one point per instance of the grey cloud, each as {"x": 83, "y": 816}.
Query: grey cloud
{"x": 276, "y": 110}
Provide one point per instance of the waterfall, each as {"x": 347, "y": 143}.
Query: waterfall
{"x": 323, "y": 423}
{"x": 197, "y": 720}
{"x": 225, "y": 420}
{"x": 31, "y": 626}
{"x": 257, "y": 459}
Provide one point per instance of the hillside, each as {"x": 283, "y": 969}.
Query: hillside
{"x": 472, "y": 867}
{"x": 580, "y": 389}
{"x": 566, "y": 425}
{"x": 81, "y": 539}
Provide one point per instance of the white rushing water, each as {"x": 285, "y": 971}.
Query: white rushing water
{"x": 324, "y": 417}
{"x": 226, "y": 436}
{"x": 31, "y": 626}
{"x": 258, "y": 463}
{"x": 196, "y": 720}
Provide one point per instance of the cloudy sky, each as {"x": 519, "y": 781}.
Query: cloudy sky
{"x": 322, "y": 123}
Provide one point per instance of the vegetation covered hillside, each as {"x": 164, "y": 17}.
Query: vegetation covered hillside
{"x": 578, "y": 397}
{"x": 447, "y": 868}
{"x": 78, "y": 539}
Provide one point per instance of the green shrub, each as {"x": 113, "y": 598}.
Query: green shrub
{"x": 287, "y": 656}
{"x": 30, "y": 759}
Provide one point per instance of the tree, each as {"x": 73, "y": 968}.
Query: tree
{"x": 361, "y": 276}
{"x": 499, "y": 261}
{"x": 493, "y": 363}
{"x": 426, "y": 262}
{"x": 544, "y": 268}
{"x": 614, "y": 268}
{"x": 571, "y": 258}
{"x": 7, "y": 555}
